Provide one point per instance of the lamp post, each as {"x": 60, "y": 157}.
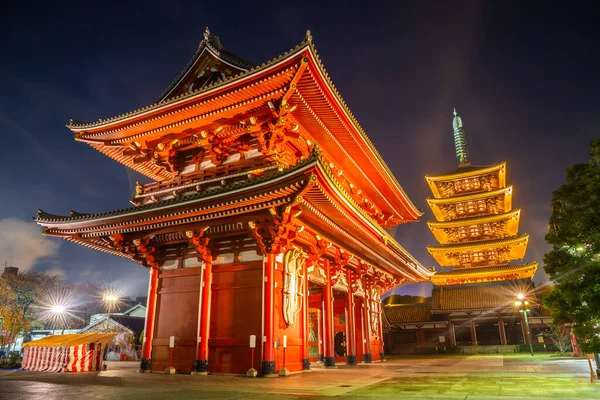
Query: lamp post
{"x": 523, "y": 307}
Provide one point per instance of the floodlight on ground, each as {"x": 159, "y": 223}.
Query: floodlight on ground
{"x": 518, "y": 303}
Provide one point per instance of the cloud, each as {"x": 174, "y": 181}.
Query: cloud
{"x": 57, "y": 271}
{"x": 22, "y": 244}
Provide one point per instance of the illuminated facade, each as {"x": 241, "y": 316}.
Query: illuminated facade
{"x": 266, "y": 216}
{"x": 477, "y": 228}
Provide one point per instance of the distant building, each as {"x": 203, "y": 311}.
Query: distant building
{"x": 10, "y": 270}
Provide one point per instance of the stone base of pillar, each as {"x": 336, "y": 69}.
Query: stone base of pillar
{"x": 350, "y": 360}
{"x": 201, "y": 366}
{"x": 329, "y": 362}
{"x": 306, "y": 364}
{"x": 381, "y": 357}
{"x": 367, "y": 358}
{"x": 267, "y": 369}
{"x": 321, "y": 357}
{"x": 145, "y": 365}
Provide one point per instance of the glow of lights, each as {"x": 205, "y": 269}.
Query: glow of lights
{"x": 520, "y": 296}
{"x": 57, "y": 309}
{"x": 111, "y": 298}
{"x": 518, "y": 303}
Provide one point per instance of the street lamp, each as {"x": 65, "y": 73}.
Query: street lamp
{"x": 57, "y": 312}
{"x": 110, "y": 299}
{"x": 523, "y": 307}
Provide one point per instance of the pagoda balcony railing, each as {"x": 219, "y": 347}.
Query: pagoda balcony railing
{"x": 253, "y": 166}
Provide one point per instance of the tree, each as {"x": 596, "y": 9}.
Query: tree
{"x": 18, "y": 293}
{"x": 559, "y": 334}
{"x": 573, "y": 262}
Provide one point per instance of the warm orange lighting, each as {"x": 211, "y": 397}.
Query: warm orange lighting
{"x": 518, "y": 303}
{"x": 520, "y": 296}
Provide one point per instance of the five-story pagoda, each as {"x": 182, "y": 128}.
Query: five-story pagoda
{"x": 477, "y": 229}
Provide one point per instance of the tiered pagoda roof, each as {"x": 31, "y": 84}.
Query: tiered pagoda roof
{"x": 476, "y": 226}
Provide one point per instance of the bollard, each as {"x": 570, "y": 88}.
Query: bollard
{"x": 170, "y": 370}
{"x": 284, "y": 371}
{"x": 252, "y": 372}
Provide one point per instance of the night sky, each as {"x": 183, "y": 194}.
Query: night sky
{"x": 524, "y": 79}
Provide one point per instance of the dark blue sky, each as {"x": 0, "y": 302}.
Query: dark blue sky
{"x": 524, "y": 78}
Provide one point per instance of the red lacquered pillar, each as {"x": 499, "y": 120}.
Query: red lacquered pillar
{"x": 150, "y": 316}
{"x": 350, "y": 320}
{"x": 367, "y": 356}
{"x": 268, "y": 363}
{"x": 202, "y": 357}
{"x": 328, "y": 306}
{"x": 304, "y": 326}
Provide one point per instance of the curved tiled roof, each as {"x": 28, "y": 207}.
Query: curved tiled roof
{"x": 488, "y": 295}
{"x": 213, "y": 44}
{"x": 43, "y": 216}
{"x": 479, "y": 244}
{"x": 494, "y": 269}
{"x": 407, "y": 313}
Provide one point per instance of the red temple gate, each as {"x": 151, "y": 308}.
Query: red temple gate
{"x": 267, "y": 215}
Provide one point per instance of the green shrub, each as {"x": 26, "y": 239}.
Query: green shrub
{"x": 11, "y": 360}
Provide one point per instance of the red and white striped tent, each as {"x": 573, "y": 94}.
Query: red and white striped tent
{"x": 66, "y": 353}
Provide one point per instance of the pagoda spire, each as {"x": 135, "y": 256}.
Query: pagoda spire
{"x": 460, "y": 142}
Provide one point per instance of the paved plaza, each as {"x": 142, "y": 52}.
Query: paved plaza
{"x": 435, "y": 377}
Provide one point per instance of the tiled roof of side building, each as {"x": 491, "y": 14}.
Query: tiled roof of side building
{"x": 490, "y": 295}
{"x": 407, "y": 313}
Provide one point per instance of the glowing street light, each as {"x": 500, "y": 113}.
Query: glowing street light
{"x": 523, "y": 306}
{"x": 57, "y": 309}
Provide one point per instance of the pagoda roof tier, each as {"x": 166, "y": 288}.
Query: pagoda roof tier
{"x": 504, "y": 196}
{"x": 485, "y": 274}
{"x": 311, "y": 185}
{"x": 449, "y": 255}
{"x": 296, "y": 80}
{"x": 487, "y": 296}
{"x": 444, "y": 231}
{"x": 467, "y": 171}
{"x": 436, "y": 182}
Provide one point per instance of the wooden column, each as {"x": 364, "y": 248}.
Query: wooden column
{"x": 452, "y": 334}
{"x": 503, "y": 340}
{"x": 367, "y": 356}
{"x": 380, "y": 333}
{"x": 202, "y": 360}
{"x": 150, "y": 317}
{"x": 268, "y": 362}
{"x": 304, "y": 326}
{"x": 473, "y": 333}
{"x": 351, "y": 326}
{"x": 328, "y": 316}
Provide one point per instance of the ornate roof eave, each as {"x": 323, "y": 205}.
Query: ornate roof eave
{"x": 306, "y": 44}
{"x": 386, "y": 239}
{"x": 46, "y": 219}
{"x": 475, "y": 196}
{"x": 516, "y": 213}
{"x": 527, "y": 269}
{"x": 207, "y": 44}
{"x": 467, "y": 173}
{"x": 78, "y": 126}
{"x": 483, "y": 271}
{"x": 480, "y": 244}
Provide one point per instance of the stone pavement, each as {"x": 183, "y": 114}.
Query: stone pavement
{"x": 440, "y": 377}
